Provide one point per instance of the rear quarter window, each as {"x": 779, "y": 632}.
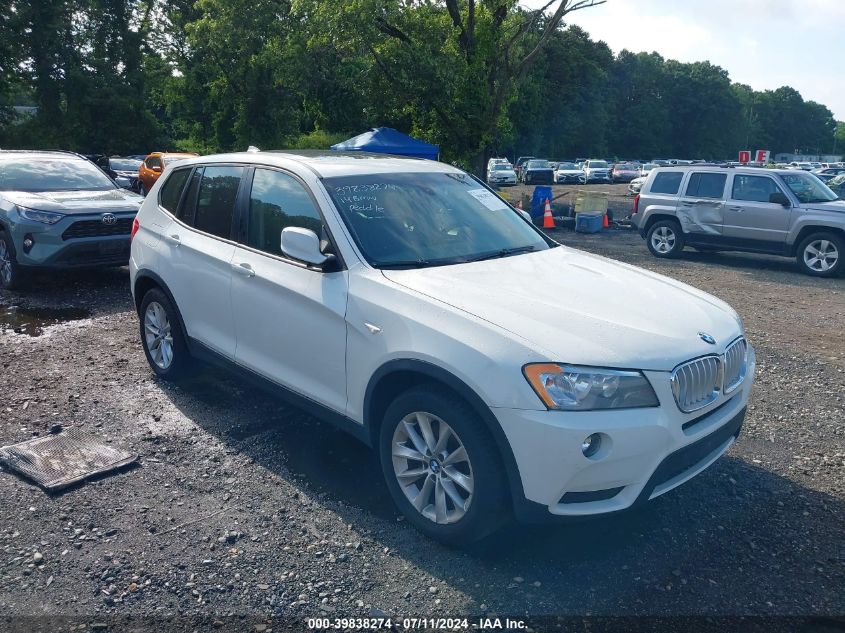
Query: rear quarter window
{"x": 171, "y": 191}
{"x": 668, "y": 182}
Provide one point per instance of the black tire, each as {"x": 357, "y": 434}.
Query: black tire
{"x": 182, "y": 364}
{"x": 669, "y": 234}
{"x": 12, "y": 275}
{"x": 831, "y": 245}
{"x": 489, "y": 508}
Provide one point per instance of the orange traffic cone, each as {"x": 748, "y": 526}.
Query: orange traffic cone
{"x": 605, "y": 224}
{"x": 548, "y": 220}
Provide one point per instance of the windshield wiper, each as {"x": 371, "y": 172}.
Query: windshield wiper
{"x": 502, "y": 252}
{"x": 812, "y": 200}
{"x": 418, "y": 263}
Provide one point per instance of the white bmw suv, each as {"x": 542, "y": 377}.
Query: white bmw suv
{"x": 492, "y": 369}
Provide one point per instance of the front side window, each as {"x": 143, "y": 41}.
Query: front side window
{"x": 753, "y": 188}
{"x": 52, "y": 174}
{"x": 704, "y": 185}
{"x": 807, "y": 188}
{"x": 277, "y": 201}
{"x": 429, "y": 219}
{"x": 667, "y": 182}
{"x": 171, "y": 192}
{"x": 218, "y": 191}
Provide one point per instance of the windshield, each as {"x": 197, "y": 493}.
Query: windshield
{"x": 411, "y": 220}
{"x": 539, "y": 164}
{"x": 570, "y": 166}
{"x": 598, "y": 164}
{"x": 808, "y": 188}
{"x": 501, "y": 167}
{"x": 124, "y": 164}
{"x": 52, "y": 174}
{"x": 626, "y": 167}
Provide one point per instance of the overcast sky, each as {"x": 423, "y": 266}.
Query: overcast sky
{"x": 763, "y": 43}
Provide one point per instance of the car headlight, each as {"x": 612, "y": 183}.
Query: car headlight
{"x": 45, "y": 217}
{"x": 575, "y": 388}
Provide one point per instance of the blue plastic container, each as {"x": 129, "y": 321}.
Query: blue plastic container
{"x": 588, "y": 223}
{"x": 538, "y": 201}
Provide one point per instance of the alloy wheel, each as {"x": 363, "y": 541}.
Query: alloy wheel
{"x": 663, "y": 239}
{"x": 158, "y": 336}
{"x": 821, "y": 255}
{"x": 5, "y": 264}
{"x": 432, "y": 467}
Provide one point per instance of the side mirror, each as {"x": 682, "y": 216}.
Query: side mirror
{"x": 779, "y": 198}
{"x": 303, "y": 245}
{"x": 525, "y": 214}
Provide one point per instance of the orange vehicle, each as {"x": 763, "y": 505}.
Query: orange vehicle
{"x": 153, "y": 165}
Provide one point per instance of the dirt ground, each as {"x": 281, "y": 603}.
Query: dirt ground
{"x": 242, "y": 506}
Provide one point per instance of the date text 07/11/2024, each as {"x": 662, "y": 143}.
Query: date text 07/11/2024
{"x": 417, "y": 623}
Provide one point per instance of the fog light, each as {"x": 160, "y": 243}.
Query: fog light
{"x": 591, "y": 445}
{"x": 28, "y": 243}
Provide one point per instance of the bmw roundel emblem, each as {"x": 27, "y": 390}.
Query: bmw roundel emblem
{"x": 109, "y": 218}
{"x": 704, "y": 336}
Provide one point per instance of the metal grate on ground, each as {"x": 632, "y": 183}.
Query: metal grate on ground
{"x": 55, "y": 462}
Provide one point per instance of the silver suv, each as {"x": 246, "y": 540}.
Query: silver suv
{"x": 777, "y": 211}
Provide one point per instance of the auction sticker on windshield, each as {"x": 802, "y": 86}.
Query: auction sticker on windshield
{"x": 488, "y": 199}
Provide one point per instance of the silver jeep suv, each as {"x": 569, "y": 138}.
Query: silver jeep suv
{"x": 777, "y": 211}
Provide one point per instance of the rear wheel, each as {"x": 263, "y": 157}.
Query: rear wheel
{"x": 821, "y": 254}
{"x": 162, "y": 337}
{"x": 12, "y": 276}
{"x": 442, "y": 466}
{"x": 665, "y": 239}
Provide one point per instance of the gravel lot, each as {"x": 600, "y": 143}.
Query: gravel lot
{"x": 243, "y": 506}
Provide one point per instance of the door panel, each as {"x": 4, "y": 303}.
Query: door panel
{"x": 290, "y": 325}
{"x": 750, "y": 216}
{"x": 199, "y": 277}
{"x": 289, "y": 319}
{"x": 701, "y": 208}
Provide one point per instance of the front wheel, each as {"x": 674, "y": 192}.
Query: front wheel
{"x": 820, "y": 254}
{"x": 442, "y": 466}
{"x": 12, "y": 276}
{"x": 665, "y": 239}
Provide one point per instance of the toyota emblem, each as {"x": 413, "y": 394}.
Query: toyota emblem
{"x": 108, "y": 218}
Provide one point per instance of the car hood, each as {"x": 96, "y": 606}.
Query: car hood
{"x": 569, "y": 171}
{"x": 539, "y": 169}
{"x": 76, "y": 202}
{"x": 583, "y": 309}
{"x": 833, "y": 205}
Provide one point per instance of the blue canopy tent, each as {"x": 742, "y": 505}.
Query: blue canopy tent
{"x": 386, "y": 140}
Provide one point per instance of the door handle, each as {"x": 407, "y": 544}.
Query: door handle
{"x": 737, "y": 209}
{"x": 173, "y": 239}
{"x": 243, "y": 269}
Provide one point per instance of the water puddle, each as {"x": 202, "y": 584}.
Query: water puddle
{"x": 33, "y": 321}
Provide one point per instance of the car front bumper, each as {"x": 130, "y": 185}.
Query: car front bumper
{"x": 644, "y": 454}
{"x": 76, "y": 241}
{"x": 502, "y": 181}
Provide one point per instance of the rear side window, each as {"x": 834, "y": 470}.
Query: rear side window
{"x": 703, "y": 185}
{"x": 753, "y": 188}
{"x": 667, "y": 182}
{"x": 171, "y": 191}
{"x": 218, "y": 191}
{"x": 277, "y": 201}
